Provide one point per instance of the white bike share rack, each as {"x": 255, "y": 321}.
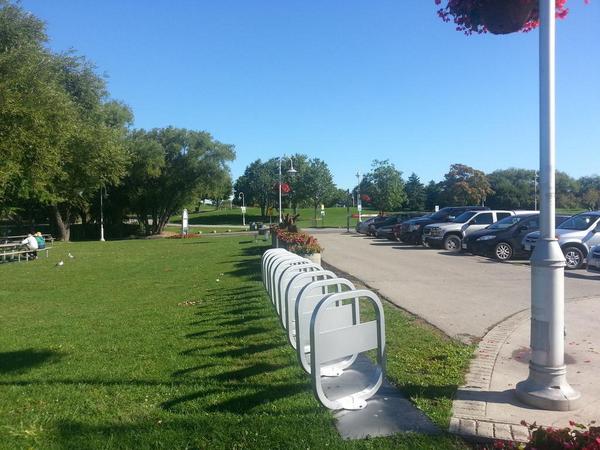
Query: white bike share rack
{"x": 282, "y": 283}
{"x": 338, "y": 316}
{"x": 332, "y": 344}
{"x": 266, "y": 257}
{"x": 291, "y": 294}
{"x": 321, "y": 315}
{"x": 275, "y": 262}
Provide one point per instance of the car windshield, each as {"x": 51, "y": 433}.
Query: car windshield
{"x": 464, "y": 217}
{"x": 579, "y": 222}
{"x": 441, "y": 214}
{"x": 505, "y": 223}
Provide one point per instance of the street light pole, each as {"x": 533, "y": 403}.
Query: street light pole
{"x": 358, "y": 201}
{"x": 292, "y": 171}
{"x": 102, "y": 214}
{"x": 243, "y": 197}
{"x": 547, "y": 386}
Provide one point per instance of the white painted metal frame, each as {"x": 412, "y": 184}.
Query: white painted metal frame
{"x": 274, "y": 263}
{"x": 266, "y": 257}
{"x": 329, "y": 344}
{"x": 284, "y": 279}
{"x": 336, "y": 316}
{"x": 291, "y": 296}
{"x": 278, "y": 269}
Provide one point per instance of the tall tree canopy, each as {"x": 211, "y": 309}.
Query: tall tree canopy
{"x": 171, "y": 166}
{"x": 385, "y": 186}
{"x": 415, "y": 193}
{"x": 513, "y": 189}
{"x": 464, "y": 185}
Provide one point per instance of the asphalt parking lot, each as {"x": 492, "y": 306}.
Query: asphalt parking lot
{"x": 462, "y": 295}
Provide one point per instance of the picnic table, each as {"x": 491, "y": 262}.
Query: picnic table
{"x": 11, "y": 247}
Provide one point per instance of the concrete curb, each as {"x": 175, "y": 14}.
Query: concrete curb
{"x": 468, "y": 413}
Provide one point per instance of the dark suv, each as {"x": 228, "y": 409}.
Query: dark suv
{"x": 502, "y": 240}
{"x": 411, "y": 231}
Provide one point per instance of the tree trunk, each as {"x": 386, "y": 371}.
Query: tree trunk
{"x": 63, "y": 226}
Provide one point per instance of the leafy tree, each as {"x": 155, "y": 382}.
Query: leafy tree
{"x": 37, "y": 118}
{"x": 385, "y": 186}
{"x": 259, "y": 183}
{"x": 415, "y": 193}
{"x": 433, "y": 195}
{"x": 567, "y": 191}
{"x": 170, "y": 166}
{"x": 590, "y": 192}
{"x": 340, "y": 197}
{"x": 314, "y": 184}
{"x": 464, "y": 185}
{"x": 95, "y": 155}
{"x": 513, "y": 189}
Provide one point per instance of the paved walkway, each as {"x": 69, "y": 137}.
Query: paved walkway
{"x": 477, "y": 300}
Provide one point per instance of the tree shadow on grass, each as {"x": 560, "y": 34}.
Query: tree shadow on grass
{"x": 245, "y": 332}
{"x": 270, "y": 393}
{"x": 248, "y": 350}
{"x": 247, "y": 372}
{"x": 23, "y": 360}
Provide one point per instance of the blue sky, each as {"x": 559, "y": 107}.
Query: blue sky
{"x": 343, "y": 80}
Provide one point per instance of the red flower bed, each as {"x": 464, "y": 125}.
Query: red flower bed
{"x": 184, "y": 236}
{"x": 579, "y": 437}
{"x": 299, "y": 243}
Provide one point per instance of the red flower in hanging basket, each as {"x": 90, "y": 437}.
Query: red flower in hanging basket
{"x": 285, "y": 188}
{"x": 365, "y": 198}
{"x": 495, "y": 16}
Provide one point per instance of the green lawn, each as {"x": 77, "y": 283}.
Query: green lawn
{"x": 334, "y": 217}
{"x": 174, "y": 344}
{"x": 206, "y": 229}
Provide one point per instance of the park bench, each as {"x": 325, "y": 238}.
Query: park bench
{"x": 320, "y": 314}
{"x": 11, "y": 248}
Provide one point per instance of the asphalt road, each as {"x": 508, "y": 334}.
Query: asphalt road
{"x": 462, "y": 295}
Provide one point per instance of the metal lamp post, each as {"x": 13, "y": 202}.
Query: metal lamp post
{"x": 243, "y": 197}
{"x": 547, "y": 386}
{"x": 102, "y": 213}
{"x": 358, "y": 201}
{"x": 291, "y": 171}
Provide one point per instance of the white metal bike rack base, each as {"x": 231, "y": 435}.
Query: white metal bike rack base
{"x": 332, "y": 344}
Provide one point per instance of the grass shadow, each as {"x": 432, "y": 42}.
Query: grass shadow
{"x": 22, "y": 360}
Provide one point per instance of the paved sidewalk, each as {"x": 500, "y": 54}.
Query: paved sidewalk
{"x": 478, "y": 300}
{"x": 486, "y": 405}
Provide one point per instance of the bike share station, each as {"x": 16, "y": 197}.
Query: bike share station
{"x": 341, "y": 351}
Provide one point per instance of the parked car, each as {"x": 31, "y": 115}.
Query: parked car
{"x": 363, "y": 226}
{"x": 387, "y": 220}
{"x": 386, "y": 231}
{"x": 593, "y": 259}
{"x": 502, "y": 240}
{"x": 576, "y": 236}
{"x": 449, "y": 235}
{"x": 411, "y": 231}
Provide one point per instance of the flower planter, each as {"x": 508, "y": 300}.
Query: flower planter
{"x": 313, "y": 257}
{"x": 506, "y": 16}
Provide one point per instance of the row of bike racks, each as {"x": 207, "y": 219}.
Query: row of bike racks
{"x": 321, "y": 315}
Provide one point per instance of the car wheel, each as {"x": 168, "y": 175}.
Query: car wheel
{"x": 503, "y": 251}
{"x": 452, "y": 243}
{"x": 574, "y": 257}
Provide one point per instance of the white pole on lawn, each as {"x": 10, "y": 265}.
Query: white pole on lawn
{"x": 547, "y": 386}
{"x": 102, "y": 215}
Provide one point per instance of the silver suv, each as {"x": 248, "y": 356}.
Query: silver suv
{"x": 450, "y": 235}
{"x": 575, "y": 236}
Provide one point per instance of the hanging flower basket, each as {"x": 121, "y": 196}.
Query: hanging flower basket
{"x": 506, "y": 16}
{"x": 495, "y": 16}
